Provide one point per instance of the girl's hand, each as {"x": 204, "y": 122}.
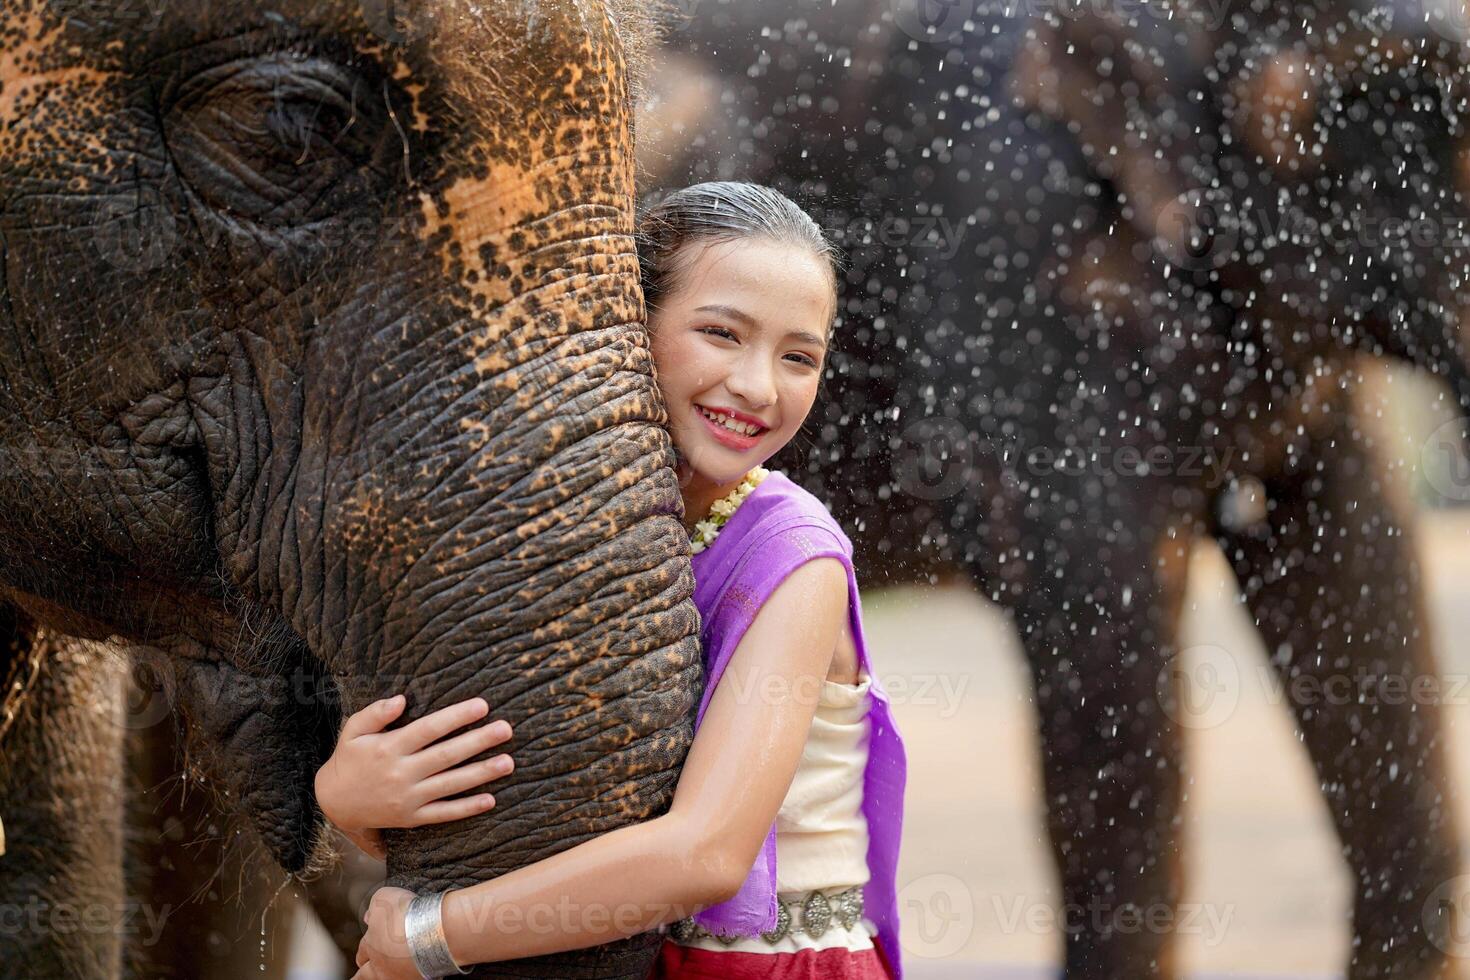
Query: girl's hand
{"x": 383, "y": 953}
{"x": 378, "y": 779}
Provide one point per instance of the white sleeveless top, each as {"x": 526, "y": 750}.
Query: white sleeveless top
{"x": 821, "y": 833}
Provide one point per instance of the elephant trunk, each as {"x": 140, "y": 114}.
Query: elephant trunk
{"x": 509, "y": 530}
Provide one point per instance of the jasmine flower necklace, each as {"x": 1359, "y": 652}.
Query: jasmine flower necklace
{"x": 721, "y": 510}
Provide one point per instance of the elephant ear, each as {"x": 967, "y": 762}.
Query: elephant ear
{"x": 1135, "y": 96}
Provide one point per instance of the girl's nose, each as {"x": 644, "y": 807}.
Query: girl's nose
{"x": 753, "y": 382}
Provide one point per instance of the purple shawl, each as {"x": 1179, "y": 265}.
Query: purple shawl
{"x": 777, "y": 528}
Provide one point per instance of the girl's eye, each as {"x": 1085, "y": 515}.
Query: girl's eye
{"x": 803, "y": 359}
{"x": 718, "y": 331}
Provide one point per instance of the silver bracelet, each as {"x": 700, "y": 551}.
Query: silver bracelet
{"x": 424, "y": 923}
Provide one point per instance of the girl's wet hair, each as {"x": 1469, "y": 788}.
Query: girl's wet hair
{"x": 722, "y": 210}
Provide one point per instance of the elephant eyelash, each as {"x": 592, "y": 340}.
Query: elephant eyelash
{"x": 307, "y": 119}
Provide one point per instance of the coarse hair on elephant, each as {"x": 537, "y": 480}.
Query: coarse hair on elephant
{"x": 1114, "y": 272}
{"x": 323, "y": 378}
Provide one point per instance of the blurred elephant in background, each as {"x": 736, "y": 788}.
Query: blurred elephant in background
{"x": 322, "y": 377}
{"x": 1114, "y": 270}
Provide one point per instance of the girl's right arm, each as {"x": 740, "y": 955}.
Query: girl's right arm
{"x": 738, "y": 772}
{"x": 377, "y": 778}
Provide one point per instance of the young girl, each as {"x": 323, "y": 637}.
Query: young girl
{"x": 788, "y": 866}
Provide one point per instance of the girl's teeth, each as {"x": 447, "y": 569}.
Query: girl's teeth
{"x": 744, "y": 428}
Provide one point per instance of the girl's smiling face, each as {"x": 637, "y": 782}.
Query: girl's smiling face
{"x": 738, "y": 347}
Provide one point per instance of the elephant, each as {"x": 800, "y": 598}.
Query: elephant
{"x": 1114, "y": 272}
{"x": 323, "y": 377}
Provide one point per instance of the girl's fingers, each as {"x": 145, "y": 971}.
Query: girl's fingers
{"x": 374, "y": 718}
{"x": 447, "y": 810}
{"x": 435, "y": 725}
{"x": 437, "y": 758}
{"x": 466, "y": 778}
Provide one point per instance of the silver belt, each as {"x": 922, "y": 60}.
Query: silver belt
{"x": 816, "y": 911}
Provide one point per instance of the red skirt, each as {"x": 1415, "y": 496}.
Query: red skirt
{"x": 677, "y": 962}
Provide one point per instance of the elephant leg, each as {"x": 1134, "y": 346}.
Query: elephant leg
{"x": 1111, "y": 756}
{"x": 64, "y": 914}
{"x": 230, "y": 917}
{"x": 1331, "y": 577}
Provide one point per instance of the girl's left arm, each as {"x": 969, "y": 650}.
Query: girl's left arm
{"x": 637, "y": 877}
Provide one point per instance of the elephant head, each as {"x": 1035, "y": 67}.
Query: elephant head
{"x": 322, "y": 374}
{"x": 1306, "y": 163}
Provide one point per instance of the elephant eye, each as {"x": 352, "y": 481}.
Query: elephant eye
{"x": 282, "y": 140}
